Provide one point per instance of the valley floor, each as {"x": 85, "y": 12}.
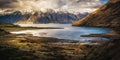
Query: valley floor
{"x": 28, "y": 47}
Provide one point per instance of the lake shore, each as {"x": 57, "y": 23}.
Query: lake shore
{"x": 27, "y": 46}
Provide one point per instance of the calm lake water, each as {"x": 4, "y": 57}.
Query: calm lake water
{"x": 69, "y": 32}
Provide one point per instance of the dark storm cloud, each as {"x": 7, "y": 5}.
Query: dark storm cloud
{"x": 8, "y": 3}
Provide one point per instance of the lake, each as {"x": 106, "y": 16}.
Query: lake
{"x": 69, "y": 32}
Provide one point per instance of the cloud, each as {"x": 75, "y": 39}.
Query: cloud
{"x": 8, "y": 3}
{"x": 57, "y": 5}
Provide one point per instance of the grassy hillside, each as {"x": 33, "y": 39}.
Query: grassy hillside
{"x": 108, "y": 51}
{"x": 106, "y": 16}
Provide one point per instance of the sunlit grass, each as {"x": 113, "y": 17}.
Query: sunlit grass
{"x": 34, "y": 47}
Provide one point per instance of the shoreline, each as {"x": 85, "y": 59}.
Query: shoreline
{"x": 29, "y": 47}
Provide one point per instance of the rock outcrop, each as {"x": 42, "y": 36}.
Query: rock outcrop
{"x": 106, "y": 16}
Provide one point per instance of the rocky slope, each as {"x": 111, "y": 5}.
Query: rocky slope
{"x": 39, "y": 17}
{"x": 106, "y": 16}
{"x": 108, "y": 51}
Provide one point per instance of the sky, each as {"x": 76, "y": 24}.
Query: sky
{"x": 72, "y": 6}
{"x": 104, "y": 1}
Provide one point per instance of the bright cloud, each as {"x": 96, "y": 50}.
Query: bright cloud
{"x": 73, "y": 6}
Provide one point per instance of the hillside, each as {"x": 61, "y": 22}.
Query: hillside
{"x": 3, "y": 32}
{"x": 108, "y": 51}
{"x": 106, "y": 16}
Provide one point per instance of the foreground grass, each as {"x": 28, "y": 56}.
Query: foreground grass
{"x": 15, "y": 47}
{"x": 28, "y": 47}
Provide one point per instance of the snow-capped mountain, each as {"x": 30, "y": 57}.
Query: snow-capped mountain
{"x": 40, "y": 17}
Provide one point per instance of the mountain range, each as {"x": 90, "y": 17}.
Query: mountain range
{"x": 40, "y": 17}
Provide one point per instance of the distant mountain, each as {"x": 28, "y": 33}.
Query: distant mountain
{"x": 11, "y": 18}
{"x": 106, "y": 16}
{"x": 39, "y": 17}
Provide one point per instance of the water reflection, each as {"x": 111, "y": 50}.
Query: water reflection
{"x": 69, "y": 32}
